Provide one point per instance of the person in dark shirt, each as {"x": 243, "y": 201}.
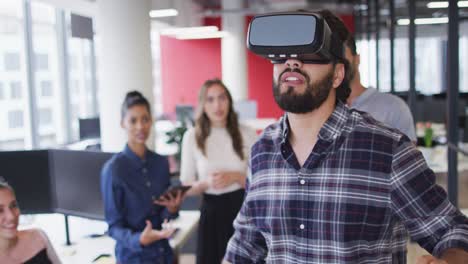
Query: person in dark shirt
{"x": 132, "y": 182}
{"x": 30, "y": 246}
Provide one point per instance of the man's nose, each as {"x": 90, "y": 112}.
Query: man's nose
{"x": 139, "y": 125}
{"x": 293, "y": 63}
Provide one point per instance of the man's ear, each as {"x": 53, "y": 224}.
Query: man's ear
{"x": 339, "y": 75}
{"x": 122, "y": 124}
{"x": 357, "y": 60}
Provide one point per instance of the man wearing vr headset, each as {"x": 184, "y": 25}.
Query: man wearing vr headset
{"x": 327, "y": 184}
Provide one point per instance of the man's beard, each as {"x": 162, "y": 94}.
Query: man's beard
{"x": 312, "y": 98}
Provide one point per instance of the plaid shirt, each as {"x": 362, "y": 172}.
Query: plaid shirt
{"x": 352, "y": 201}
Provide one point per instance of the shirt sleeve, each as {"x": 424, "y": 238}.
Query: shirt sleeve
{"x": 51, "y": 254}
{"x": 188, "y": 169}
{"x": 113, "y": 194}
{"x": 247, "y": 245}
{"x": 423, "y": 206}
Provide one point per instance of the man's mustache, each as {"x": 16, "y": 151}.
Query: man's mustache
{"x": 293, "y": 70}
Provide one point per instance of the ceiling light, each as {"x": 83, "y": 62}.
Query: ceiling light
{"x": 188, "y": 30}
{"x": 206, "y": 35}
{"x": 205, "y": 32}
{"x": 444, "y": 4}
{"x": 163, "y": 13}
{"x": 423, "y": 21}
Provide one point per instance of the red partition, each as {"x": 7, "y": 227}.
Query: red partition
{"x": 185, "y": 65}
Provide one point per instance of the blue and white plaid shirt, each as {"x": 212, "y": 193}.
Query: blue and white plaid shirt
{"x": 358, "y": 192}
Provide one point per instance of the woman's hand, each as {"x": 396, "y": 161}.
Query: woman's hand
{"x": 223, "y": 179}
{"x": 172, "y": 203}
{"x": 150, "y": 235}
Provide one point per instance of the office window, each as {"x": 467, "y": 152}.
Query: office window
{"x": 401, "y": 64}
{"x": 11, "y": 61}
{"x": 463, "y": 44}
{"x": 51, "y": 130}
{"x": 46, "y": 88}
{"x": 74, "y": 88}
{"x": 15, "y": 119}
{"x": 12, "y": 77}
{"x": 42, "y": 62}
{"x": 429, "y": 68}
{"x": 2, "y": 92}
{"x": 45, "y": 115}
{"x": 72, "y": 61}
{"x": 15, "y": 90}
{"x": 384, "y": 65}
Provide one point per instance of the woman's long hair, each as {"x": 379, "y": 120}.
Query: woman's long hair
{"x": 202, "y": 122}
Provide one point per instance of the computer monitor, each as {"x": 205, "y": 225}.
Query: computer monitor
{"x": 76, "y": 177}
{"x": 246, "y": 109}
{"x": 89, "y": 128}
{"x": 185, "y": 113}
{"x": 60, "y": 181}
{"x": 28, "y": 173}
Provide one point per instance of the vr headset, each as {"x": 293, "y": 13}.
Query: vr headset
{"x": 300, "y": 35}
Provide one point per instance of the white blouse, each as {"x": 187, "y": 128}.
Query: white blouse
{"x": 220, "y": 156}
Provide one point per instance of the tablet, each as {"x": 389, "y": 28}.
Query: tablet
{"x": 174, "y": 189}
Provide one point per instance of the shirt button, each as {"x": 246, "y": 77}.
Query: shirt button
{"x": 153, "y": 197}
{"x": 148, "y": 184}
{"x": 145, "y": 170}
{"x": 302, "y": 182}
{"x": 301, "y": 226}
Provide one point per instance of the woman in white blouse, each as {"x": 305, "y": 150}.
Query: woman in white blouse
{"x": 214, "y": 162}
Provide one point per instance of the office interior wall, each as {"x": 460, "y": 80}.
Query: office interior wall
{"x": 125, "y": 63}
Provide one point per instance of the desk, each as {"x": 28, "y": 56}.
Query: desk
{"x": 436, "y": 158}
{"x": 258, "y": 124}
{"x": 85, "y": 249}
{"x": 187, "y": 223}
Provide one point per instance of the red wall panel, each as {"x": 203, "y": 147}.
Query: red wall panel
{"x": 185, "y": 65}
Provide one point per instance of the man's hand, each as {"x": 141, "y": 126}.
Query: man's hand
{"x": 428, "y": 259}
{"x": 224, "y": 179}
{"x": 150, "y": 235}
{"x": 172, "y": 203}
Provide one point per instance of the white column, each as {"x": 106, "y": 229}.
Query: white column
{"x": 233, "y": 52}
{"x": 123, "y": 29}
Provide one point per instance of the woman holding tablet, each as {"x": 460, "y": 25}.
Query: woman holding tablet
{"x": 132, "y": 182}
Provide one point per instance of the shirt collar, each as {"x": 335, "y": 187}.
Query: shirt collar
{"x": 330, "y": 130}
{"x": 134, "y": 158}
